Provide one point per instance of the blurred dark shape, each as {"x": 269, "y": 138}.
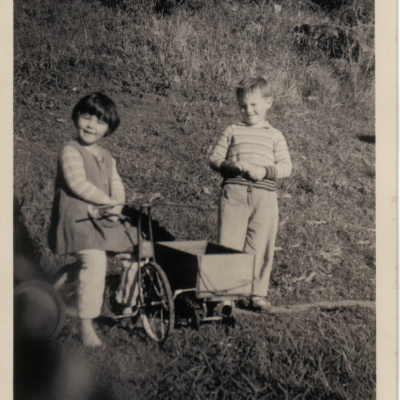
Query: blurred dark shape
{"x": 39, "y": 311}
{"x": 43, "y": 369}
{"x": 26, "y": 258}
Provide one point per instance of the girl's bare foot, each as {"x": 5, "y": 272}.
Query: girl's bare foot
{"x": 88, "y": 334}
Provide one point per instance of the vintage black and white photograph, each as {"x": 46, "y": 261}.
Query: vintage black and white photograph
{"x": 194, "y": 202}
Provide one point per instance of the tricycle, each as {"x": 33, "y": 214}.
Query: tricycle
{"x": 179, "y": 282}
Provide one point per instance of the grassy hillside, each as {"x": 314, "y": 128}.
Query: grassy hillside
{"x": 171, "y": 67}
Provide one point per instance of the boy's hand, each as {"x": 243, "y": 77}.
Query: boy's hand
{"x": 230, "y": 169}
{"x": 256, "y": 173}
{"x": 243, "y": 166}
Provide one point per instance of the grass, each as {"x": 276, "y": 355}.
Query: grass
{"x": 171, "y": 68}
{"x": 283, "y": 361}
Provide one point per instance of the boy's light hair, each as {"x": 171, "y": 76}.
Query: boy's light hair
{"x": 250, "y": 85}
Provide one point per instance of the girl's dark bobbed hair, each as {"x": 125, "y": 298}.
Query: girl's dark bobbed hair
{"x": 101, "y": 106}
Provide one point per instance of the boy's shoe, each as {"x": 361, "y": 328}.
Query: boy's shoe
{"x": 261, "y": 303}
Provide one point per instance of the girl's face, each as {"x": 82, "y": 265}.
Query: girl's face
{"x": 91, "y": 129}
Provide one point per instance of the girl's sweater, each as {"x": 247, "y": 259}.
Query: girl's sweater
{"x": 75, "y": 176}
{"x": 85, "y": 178}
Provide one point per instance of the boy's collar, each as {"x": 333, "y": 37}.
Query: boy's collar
{"x": 265, "y": 125}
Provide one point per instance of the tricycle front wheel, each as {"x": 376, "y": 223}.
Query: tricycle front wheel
{"x": 157, "y": 309}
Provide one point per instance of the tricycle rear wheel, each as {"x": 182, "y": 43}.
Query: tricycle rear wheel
{"x": 157, "y": 309}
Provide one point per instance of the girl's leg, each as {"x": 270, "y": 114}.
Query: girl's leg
{"x": 90, "y": 292}
{"x": 233, "y": 216}
{"x": 261, "y": 236}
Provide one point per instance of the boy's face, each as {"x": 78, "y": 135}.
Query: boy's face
{"x": 253, "y": 108}
{"x": 91, "y": 129}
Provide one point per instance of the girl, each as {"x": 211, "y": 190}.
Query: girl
{"x": 87, "y": 177}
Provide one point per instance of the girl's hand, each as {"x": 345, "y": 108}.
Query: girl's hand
{"x": 111, "y": 213}
{"x": 94, "y": 212}
{"x": 112, "y": 217}
{"x": 115, "y": 213}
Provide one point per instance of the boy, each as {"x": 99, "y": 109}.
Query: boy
{"x": 251, "y": 156}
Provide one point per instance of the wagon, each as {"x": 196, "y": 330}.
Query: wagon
{"x": 183, "y": 282}
{"x": 203, "y": 275}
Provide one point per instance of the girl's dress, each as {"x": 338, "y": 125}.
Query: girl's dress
{"x": 74, "y": 231}
{"x": 71, "y": 227}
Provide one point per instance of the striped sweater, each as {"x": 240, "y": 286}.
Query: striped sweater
{"x": 75, "y": 176}
{"x": 264, "y": 147}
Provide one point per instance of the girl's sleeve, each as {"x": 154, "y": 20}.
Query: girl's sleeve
{"x": 117, "y": 187}
{"x": 218, "y": 161}
{"x": 75, "y": 176}
{"x": 283, "y": 163}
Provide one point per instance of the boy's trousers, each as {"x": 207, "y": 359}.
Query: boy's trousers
{"x": 248, "y": 221}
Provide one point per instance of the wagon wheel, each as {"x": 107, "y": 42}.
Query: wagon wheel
{"x": 110, "y": 305}
{"x": 156, "y": 302}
